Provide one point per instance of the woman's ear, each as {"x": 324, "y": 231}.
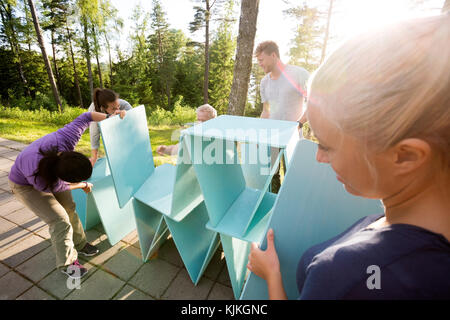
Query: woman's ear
{"x": 409, "y": 155}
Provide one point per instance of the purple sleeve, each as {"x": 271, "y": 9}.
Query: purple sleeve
{"x": 39, "y": 185}
{"x": 69, "y": 136}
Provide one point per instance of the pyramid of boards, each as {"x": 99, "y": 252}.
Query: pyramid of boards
{"x": 217, "y": 194}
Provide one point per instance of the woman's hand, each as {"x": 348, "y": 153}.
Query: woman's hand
{"x": 122, "y": 113}
{"x": 88, "y": 187}
{"x": 264, "y": 264}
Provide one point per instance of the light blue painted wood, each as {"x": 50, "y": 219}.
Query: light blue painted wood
{"x": 236, "y": 253}
{"x": 85, "y": 209}
{"x": 275, "y": 133}
{"x": 151, "y": 227}
{"x": 255, "y": 163}
{"x": 117, "y": 222}
{"x": 237, "y": 211}
{"x": 127, "y": 148}
{"x": 195, "y": 244}
{"x": 164, "y": 199}
{"x": 219, "y": 175}
{"x": 312, "y": 207}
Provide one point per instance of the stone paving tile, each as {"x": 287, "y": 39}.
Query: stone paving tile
{"x": 182, "y": 288}
{"x": 39, "y": 266}
{"x": 12, "y": 144}
{"x": 100, "y": 286}
{"x": 35, "y": 293}
{"x": 10, "y": 206}
{"x": 131, "y": 237}
{"x": 3, "y": 150}
{"x": 21, "y": 216}
{"x": 130, "y": 293}
{"x": 224, "y": 277}
{"x": 125, "y": 263}
{"x": 169, "y": 253}
{"x": 5, "y": 225}
{"x": 23, "y": 250}
{"x": 13, "y": 285}
{"x": 43, "y": 232}
{"x": 33, "y": 224}
{"x": 13, "y": 237}
{"x": 6, "y": 164}
{"x": 106, "y": 251}
{"x": 3, "y": 270}
{"x": 11, "y": 155}
{"x": 221, "y": 292}
{"x": 154, "y": 277}
{"x": 5, "y": 197}
{"x": 215, "y": 265}
{"x": 56, "y": 282}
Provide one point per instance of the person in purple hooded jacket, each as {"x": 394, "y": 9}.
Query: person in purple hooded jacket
{"x": 42, "y": 178}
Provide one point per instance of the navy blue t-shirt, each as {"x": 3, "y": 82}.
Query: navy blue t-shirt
{"x": 413, "y": 263}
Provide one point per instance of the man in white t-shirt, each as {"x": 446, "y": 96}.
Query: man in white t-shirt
{"x": 283, "y": 90}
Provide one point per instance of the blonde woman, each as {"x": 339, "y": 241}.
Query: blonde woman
{"x": 380, "y": 108}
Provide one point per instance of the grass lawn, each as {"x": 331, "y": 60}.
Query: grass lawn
{"x": 26, "y": 131}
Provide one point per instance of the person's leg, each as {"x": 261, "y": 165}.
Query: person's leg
{"x": 46, "y": 207}
{"x": 66, "y": 200}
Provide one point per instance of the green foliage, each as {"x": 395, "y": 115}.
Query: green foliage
{"x": 42, "y": 115}
{"x": 307, "y": 41}
{"x": 179, "y": 116}
{"x": 222, "y": 63}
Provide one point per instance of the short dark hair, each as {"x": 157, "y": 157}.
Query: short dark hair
{"x": 268, "y": 47}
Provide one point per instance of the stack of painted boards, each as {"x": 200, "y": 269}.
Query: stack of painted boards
{"x": 218, "y": 193}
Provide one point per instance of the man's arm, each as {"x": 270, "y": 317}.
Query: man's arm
{"x": 266, "y": 111}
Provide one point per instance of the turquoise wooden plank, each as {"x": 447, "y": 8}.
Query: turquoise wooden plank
{"x": 151, "y": 227}
{"x": 117, "y": 222}
{"x": 157, "y": 190}
{"x": 194, "y": 242}
{"x": 275, "y": 133}
{"x": 312, "y": 207}
{"x": 236, "y": 253}
{"x": 222, "y": 180}
{"x": 187, "y": 194}
{"x": 128, "y": 136}
{"x": 255, "y": 163}
{"x": 172, "y": 190}
{"x": 86, "y": 210}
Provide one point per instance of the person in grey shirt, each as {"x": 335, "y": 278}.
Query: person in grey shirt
{"x": 105, "y": 101}
{"x": 283, "y": 90}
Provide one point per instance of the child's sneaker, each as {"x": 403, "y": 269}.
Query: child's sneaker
{"x": 75, "y": 270}
{"x": 89, "y": 250}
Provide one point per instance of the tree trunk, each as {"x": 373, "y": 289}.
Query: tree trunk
{"x": 75, "y": 74}
{"x": 110, "y": 61}
{"x": 96, "y": 57}
{"x": 88, "y": 58}
{"x": 206, "y": 75}
{"x": 58, "y": 78}
{"x": 44, "y": 55}
{"x": 327, "y": 30}
{"x": 244, "y": 54}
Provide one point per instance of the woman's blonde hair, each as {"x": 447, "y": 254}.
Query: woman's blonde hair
{"x": 391, "y": 84}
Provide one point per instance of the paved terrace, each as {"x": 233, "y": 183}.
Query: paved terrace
{"x": 28, "y": 271}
